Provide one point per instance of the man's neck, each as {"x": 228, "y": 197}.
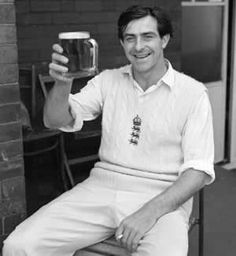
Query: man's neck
{"x": 147, "y": 79}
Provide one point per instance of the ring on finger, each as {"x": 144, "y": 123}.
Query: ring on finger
{"x": 119, "y": 236}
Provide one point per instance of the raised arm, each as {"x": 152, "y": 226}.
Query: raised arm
{"x": 56, "y": 109}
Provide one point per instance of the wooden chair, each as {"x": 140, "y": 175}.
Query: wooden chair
{"x": 111, "y": 247}
{"x": 87, "y": 132}
{"x": 37, "y": 139}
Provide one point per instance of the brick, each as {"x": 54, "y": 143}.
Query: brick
{"x": 7, "y": 14}
{"x": 108, "y": 5}
{"x": 34, "y": 19}
{"x": 10, "y": 222}
{"x": 7, "y": 34}
{"x": 85, "y": 5}
{"x": 111, "y": 39}
{"x": 29, "y": 56}
{"x": 11, "y": 207}
{"x": 122, "y": 5}
{"x": 8, "y": 73}
{"x": 66, "y": 18}
{"x": 107, "y": 28}
{"x": 44, "y": 33}
{"x": 98, "y": 17}
{"x": 67, "y": 5}
{"x": 45, "y": 5}
{"x": 115, "y": 49}
{"x": 10, "y": 150}
{"x": 10, "y": 113}
{"x": 9, "y": 93}
{"x": 8, "y": 53}
{"x": 84, "y": 18}
{"x": 39, "y": 31}
{"x": 33, "y": 44}
{"x": 6, "y": 1}
{"x": 13, "y": 188}
{"x": 45, "y": 54}
{"x": 21, "y": 7}
{"x": 11, "y": 169}
{"x": 10, "y": 132}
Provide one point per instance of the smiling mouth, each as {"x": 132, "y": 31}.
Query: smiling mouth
{"x": 142, "y": 56}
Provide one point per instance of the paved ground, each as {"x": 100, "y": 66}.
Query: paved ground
{"x": 220, "y": 216}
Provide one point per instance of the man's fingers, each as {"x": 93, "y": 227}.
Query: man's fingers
{"x": 136, "y": 242}
{"x": 129, "y": 241}
{"x": 58, "y": 58}
{"x": 125, "y": 238}
{"x": 58, "y": 68}
{"x": 57, "y": 48}
{"x": 60, "y": 76}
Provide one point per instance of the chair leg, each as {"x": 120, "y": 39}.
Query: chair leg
{"x": 201, "y": 223}
{"x": 61, "y": 167}
{"x": 67, "y": 178}
{"x": 68, "y": 171}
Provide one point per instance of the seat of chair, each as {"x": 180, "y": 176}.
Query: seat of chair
{"x": 38, "y": 134}
{"x": 109, "y": 247}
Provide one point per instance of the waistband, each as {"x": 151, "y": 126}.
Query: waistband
{"x": 127, "y": 182}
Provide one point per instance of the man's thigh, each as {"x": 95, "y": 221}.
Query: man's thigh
{"x": 169, "y": 237}
{"x": 74, "y": 220}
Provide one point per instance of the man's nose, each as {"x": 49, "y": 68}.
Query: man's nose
{"x": 139, "y": 44}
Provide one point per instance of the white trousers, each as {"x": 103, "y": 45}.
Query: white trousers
{"x": 91, "y": 212}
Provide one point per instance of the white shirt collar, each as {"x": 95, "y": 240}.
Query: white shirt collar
{"x": 168, "y": 77}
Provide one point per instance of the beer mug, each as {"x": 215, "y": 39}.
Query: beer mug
{"x": 82, "y": 52}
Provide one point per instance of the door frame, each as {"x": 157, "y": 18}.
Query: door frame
{"x": 232, "y": 98}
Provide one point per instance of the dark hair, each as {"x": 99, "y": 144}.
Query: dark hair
{"x": 134, "y": 12}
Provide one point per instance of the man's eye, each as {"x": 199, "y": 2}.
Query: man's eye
{"x": 148, "y": 37}
{"x": 129, "y": 39}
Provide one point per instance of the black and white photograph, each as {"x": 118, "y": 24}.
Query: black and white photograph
{"x": 117, "y": 127}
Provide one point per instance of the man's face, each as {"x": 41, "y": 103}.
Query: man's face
{"x": 143, "y": 45}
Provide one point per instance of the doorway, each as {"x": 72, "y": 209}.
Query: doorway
{"x": 204, "y": 56}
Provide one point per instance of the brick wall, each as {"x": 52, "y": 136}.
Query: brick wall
{"x": 12, "y": 195}
{"x": 39, "y": 22}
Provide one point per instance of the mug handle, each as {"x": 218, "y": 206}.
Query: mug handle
{"x": 95, "y": 53}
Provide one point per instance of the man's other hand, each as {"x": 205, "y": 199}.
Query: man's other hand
{"x": 134, "y": 227}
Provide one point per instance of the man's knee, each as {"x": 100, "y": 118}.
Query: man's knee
{"x": 169, "y": 237}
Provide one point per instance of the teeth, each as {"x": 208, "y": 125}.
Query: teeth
{"x": 142, "y": 56}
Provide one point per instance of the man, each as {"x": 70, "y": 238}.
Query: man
{"x": 156, "y": 151}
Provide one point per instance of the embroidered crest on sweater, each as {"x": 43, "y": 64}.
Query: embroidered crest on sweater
{"x": 136, "y": 129}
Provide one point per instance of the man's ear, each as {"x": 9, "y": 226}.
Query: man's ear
{"x": 122, "y": 43}
{"x": 165, "y": 40}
